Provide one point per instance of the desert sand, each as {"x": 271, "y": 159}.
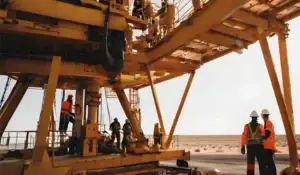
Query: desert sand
{"x": 223, "y": 153}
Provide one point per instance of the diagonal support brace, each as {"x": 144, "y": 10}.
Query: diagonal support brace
{"x": 187, "y": 88}
{"x": 13, "y": 102}
{"x": 286, "y": 77}
{"x": 136, "y": 129}
{"x": 161, "y": 122}
{"x": 42, "y": 132}
{"x": 280, "y": 100}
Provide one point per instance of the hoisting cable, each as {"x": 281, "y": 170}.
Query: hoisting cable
{"x": 5, "y": 90}
{"x": 113, "y": 63}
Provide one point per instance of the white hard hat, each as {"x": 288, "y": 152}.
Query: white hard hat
{"x": 265, "y": 112}
{"x": 253, "y": 114}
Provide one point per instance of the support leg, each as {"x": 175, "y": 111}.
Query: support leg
{"x": 286, "y": 78}
{"x": 12, "y": 102}
{"x": 187, "y": 88}
{"x": 91, "y": 127}
{"x": 136, "y": 129}
{"x": 161, "y": 123}
{"x": 40, "y": 159}
{"x": 280, "y": 101}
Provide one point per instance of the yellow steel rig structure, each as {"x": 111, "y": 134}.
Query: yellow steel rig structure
{"x": 85, "y": 45}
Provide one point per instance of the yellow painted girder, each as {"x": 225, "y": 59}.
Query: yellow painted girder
{"x": 201, "y": 23}
{"x": 248, "y": 36}
{"x": 221, "y": 40}
{"x": 111, "y": 161}
{"x": 255, "y": 20}
{"x": 66, "y": 11}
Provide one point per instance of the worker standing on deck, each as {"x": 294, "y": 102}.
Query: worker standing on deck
{"x": 269, "y": 143}
{"x": 126, "y": 134}
{"x": 252, "y": 137}
{"x": 66, "y": 114}
{"x": 115, "y": 128}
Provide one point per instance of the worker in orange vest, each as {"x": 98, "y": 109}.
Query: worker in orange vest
{"x": 252, "y": 137}
{"x": 66, "y": 114}
{"x": 269, "y": 143}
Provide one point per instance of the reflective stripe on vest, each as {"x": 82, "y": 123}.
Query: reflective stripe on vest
{"x": 256, "y": 137}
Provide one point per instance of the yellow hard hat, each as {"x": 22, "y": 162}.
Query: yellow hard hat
{"x": 265, "y": 112}
{"x": 253, "y": 114}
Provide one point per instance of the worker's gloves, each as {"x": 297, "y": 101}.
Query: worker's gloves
{"x": 243, "y": 151}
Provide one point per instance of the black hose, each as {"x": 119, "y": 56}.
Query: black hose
{"x": 113, "y": 63}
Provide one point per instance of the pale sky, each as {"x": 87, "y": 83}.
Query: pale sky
{"x": 223, "y": 94}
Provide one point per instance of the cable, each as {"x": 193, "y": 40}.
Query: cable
{"x": 5, "y": 90}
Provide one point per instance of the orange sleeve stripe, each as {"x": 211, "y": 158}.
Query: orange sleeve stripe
{"x": 244, "y": 136}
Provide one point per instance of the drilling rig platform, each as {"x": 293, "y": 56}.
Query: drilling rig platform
{"x": 86, "y": 45}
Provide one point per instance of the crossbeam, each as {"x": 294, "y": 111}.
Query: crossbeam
{"x": 61, "y": 10}
{"x": 112, "y": 161}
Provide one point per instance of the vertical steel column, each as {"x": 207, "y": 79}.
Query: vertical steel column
{"x": 136, "y": 129}
{"x": 286, "y": 77}
{"x": 78, "y": 112}
{"x": 161, "y": 122}
{"x": 280, "y": 101}
{"x": 93, "y": 102}
{"x": 42, "y": 131}
{"x": 12, "y": 102}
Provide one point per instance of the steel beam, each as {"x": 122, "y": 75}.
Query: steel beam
{"x": 221, "y": 40}
{"x": 112, "y": 161}
{"x": 241, "y": 34}
{"x": 136, "y": 129}
{"x": 159, "y": 115}
{"x": 255, "y": 20}
{"x": 225, "y": 9}
{"x": 286, "y": 78}
{"x": 12, "y": 102}
{"x": 280, "y": 100}
{"x": 42, "y": 131}
{"x": 66, "y": 11}
{"x": 162, "y": 79}
{"x": 187, "y": 88}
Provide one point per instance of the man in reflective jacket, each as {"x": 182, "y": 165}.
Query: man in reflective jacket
{"x": 269, "y": 143}
{"x": 66, "y": 114}
{"x": 253, "y": 137}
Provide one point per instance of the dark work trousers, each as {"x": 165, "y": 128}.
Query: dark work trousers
{"x": 270, "y": 163}
{"x": 63, "y": 122}
{"x": 116, "y": 135}
{"x": 255, "y": 151}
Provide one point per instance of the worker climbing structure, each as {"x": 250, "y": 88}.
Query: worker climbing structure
{"x": 85, "y": 45}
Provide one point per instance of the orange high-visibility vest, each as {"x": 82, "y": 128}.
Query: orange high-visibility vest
{"x": 66, "y": 107}
{"x": 269, "y": 143}
{"x": 252, "y": 137}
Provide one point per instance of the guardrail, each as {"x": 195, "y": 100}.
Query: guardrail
{"x": 22, "y": 140}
